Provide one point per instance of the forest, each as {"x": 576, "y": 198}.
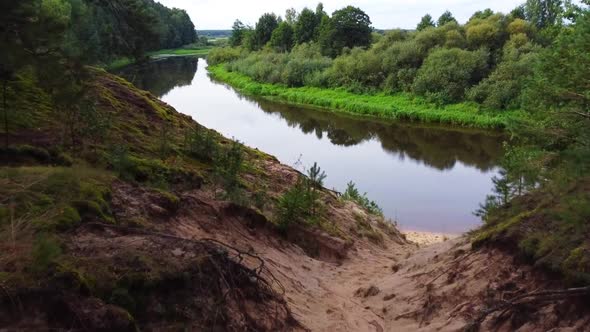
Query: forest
{"x": 92, "y": 32}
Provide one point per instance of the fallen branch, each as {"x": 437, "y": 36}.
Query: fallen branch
{"x": 528, "y": 298}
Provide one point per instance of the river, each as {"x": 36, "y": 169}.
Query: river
{"x": 426, "y": 177}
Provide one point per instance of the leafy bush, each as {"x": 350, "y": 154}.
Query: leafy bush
{"x": 223, "y": 55}
{"x": 447, "y": 73}
{"x": 359, "y": 67}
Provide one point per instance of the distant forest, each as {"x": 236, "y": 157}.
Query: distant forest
{"x": 215, "y": 33}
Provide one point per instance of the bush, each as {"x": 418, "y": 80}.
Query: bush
{"x": 223, "y": 55}
{"x": 448, "y": 73}
{"x": 46, "y": 250}
{"x": 228, "y": 166}
{"x": 352, "y": 194}
{"x": 200, "y": 143}
{"x": 291, "y": 69}
{"x": 359, "y": 67}
{"x": 293, "y": 205}
{"x": 504, "y": 87}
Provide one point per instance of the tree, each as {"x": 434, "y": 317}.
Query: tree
{"x": 482, "y": 15}
{"x": 305, "y": 27}
{"x": 349, "y": 27}
{"x": 446, "y": 17}
{"x": 425, "y": 22}
{"x": 264, "y": 28}
{"x": 560, "y": 85}
{"x": 291, "y": 16}
{"x": 30, "y": 33}
{"x": 238, "y": 32}
{"x": 315, "y": 182}
{"x": 282, "y": 37}
{"x": 543, "y": 13}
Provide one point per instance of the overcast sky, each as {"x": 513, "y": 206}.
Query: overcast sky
{"x": 385, "y": 14}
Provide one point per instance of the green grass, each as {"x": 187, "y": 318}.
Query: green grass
{"x": 119, "y": 63}
{"x": 399, "y": 106}
{"x": 182, "y": 51}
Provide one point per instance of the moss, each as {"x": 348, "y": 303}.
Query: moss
{"x": 73, "y": 278}
{"x": 492, "y": 232}
{"x": 67, "y": 219}
{"x": 46, "y": 249}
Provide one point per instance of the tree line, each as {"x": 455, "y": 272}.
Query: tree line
{"x": 487, "y": 60}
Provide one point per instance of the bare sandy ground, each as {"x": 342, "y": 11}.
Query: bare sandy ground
{"x": 428, "y": 238}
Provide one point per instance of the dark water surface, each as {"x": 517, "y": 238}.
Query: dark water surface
{"x": 428, "y": 178}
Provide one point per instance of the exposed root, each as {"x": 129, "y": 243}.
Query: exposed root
{"x": 505, "y": 306}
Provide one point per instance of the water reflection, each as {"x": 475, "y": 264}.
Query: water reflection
{"x": 426, "y": 177}
{"x": 435, "y": 146}
{"x": 162, "y": 75}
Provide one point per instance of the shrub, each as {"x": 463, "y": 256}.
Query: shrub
{"x": 359, "y": 67}
{"x": 352, "y": 194}
{"x": 46, "y": 250}
{"x": 504, "y": 87}
{"x": 293, "y": 205}
{"x": 223, "y": 55}
{"x": 228, "y": 165}
{"x": 200, "y": 143}
{"x": 447, "y": 73}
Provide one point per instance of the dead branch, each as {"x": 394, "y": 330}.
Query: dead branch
{"x": 528, "y": 298}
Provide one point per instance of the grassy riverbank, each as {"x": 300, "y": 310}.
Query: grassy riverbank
{"x": 399, "y": 106}
{"x": 197, "y": 51}
{"x": 204, "y": 50}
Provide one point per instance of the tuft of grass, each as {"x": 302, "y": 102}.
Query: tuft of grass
{"x": 381, "y": 105}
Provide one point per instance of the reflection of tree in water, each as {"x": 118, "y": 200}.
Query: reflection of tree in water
{"x": 162, "y": 75}
{"x": 436, "y": 146}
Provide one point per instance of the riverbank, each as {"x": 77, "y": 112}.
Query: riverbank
{"x": 400, "y": 106}
{"x": 123, "y": 62}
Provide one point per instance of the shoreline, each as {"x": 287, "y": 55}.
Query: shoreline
{"x": 379, "y": 106}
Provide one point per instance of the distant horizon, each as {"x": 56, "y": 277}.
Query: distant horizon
{"x": 393, "y": 14}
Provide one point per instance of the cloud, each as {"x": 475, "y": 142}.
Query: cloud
{"x": 220, "y": 14}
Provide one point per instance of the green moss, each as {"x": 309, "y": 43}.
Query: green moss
{"x": 67, "y": 218}
{"x": 171, "y": 201}
{"x": 488, "y": 233}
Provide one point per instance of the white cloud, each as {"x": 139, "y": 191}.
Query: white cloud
{"x": 220, "y": 14}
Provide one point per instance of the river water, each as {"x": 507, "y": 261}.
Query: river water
{"x": 427, "y": 178}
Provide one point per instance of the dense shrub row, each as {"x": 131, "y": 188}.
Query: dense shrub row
{"x": 487, "y": 60}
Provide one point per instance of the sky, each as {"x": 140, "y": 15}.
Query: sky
{"x": 385, "y": 14}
